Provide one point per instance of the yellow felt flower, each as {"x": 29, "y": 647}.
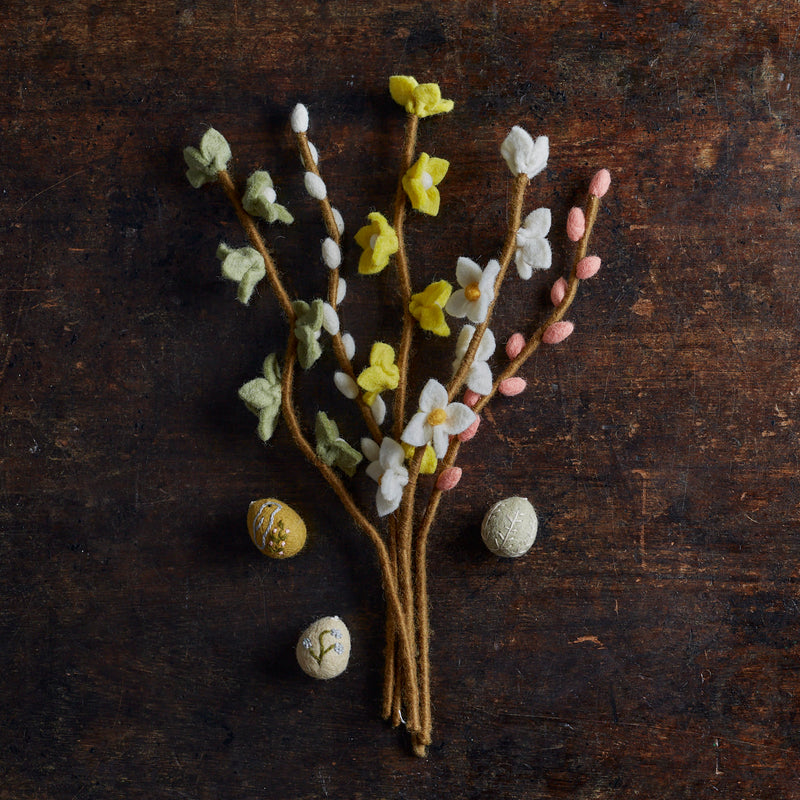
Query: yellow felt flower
{"x": 422, "y": 99}
{"x": 429, "y": 460}
{"x": 420, "y": 183}
{"x": 379, "y": 242}
{"x": 427, "y": 307}
{"x": 381, "y": 374}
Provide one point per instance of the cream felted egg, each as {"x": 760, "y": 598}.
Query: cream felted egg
{"x": 276, "y": 529}
{"x": 324, "y": 648}
{"x": 509, "y": 527}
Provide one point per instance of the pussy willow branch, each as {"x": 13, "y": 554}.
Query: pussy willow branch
{"x": 249, "y": 226}
{"x": 333, "y": 286}
{"x": 394, "y": 608}
{"x": 423, "y": 632}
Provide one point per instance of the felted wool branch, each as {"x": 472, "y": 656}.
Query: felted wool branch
{"x": 426, "y": 441}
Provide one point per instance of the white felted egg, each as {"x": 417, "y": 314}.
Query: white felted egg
{"x": 509, "y": 527}
{"x": 324, "y": 648}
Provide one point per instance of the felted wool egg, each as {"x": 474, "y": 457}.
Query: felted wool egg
{"x": 276, "y": 529}
{"x": 324, "y": 648}
{"x": 509, "y": 527}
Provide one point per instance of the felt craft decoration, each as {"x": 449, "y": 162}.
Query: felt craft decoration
{"x": 323, "y": 649}
{"x": 244, "y": 266}
{"x": 409, "y": 454}
{"x": 509, "y": 527}
{"x": 276, "y": 529}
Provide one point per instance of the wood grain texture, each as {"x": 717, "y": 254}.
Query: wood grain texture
{"x": 647, "y": 646}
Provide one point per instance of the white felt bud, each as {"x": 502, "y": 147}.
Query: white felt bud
{"x": 315, "y": 186}
{"x": 370, "y": 449}
{"x": 341, "y": 290}
{"x": 300, "y": 118}
{"x": 323, "y": 649}
{"x": 346, "y": 385}
{"x": 331, "y": 254}
{"x": 339, "y": 221}
{"x": 330, "y": 319}
{"x": 313, "y": 150}
{"x": 378, "y": 409}
{"x": 349, "y": 346}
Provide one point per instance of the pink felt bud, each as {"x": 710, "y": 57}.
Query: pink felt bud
{"x": 470, "y": 398}
{"x": 558, "y": 291}
{"x": 576, "y": 224}
{"x": 557, "y": 332}
{"x": 600, "y": 183}
{"x": 448, "y": 479}
{"x": 467, "y": 434}
{"x": 512, "y": 386}
{"x": 514, "y": 345}
{"x": 587, "y": 267}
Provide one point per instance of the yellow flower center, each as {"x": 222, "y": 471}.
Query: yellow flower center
{"x": 472, "y": 292}
{"x": 437, "y": 416}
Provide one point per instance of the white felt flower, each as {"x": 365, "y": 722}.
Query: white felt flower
{"x": 522, "y": 154}
{"x": 533, "y": 249}
{"x": 389, "y": 471}
{"x": 437, "y": 419}
{"x": 479, "y": 377}
{"x": 477, "y": 291}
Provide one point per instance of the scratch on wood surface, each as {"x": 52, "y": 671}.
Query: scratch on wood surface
{"x": 645, "y": 477}
{"x": 592, "y": 639}
{"x": 49, "y": 188}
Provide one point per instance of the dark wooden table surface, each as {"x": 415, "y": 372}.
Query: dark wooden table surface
{"x": 647, "y": 646}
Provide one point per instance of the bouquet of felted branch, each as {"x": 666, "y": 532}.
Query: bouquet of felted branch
{"x": 424, "y": 437}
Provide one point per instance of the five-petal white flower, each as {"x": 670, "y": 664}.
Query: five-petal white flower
{"x": 437, "y": 419}
{"x": 533, "y": 249}
{"x": 479, "y": 377}
{"x": 522, "y": 154}
{"x": 389, "y": 471}
{"x": 477, "y": 291}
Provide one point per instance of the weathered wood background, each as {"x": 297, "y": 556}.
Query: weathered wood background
{"x": 647, "y": 646}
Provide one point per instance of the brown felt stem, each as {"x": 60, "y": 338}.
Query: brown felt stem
{"x": 515, "y": 215}
{"x": 333, "y": 287}
{"x": 404, "y": 634}
{"x": 404, "y": 276}
{"x": 249, "y": 226}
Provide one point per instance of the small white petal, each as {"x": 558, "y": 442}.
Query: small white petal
{"x": 487, "y": 346}
{"x": 330, "y": 319}
{"x": 440, "y": 441}
{"x": 459, "y": 418}
{"x": 338, "y": 219}
{"x": 433, "y": 395}
{"x": 467, "y": 271}
{"x": 331, "y": 254}
{"x": 370, "y": 448}
{"x": 458, "y": 304}
{"x": 378, "y": 408}
{"x": 537, "y": 253}
{"x": 415, "y": 432}
{"x": 477, "y": 310}
{"x": 523, "y": 268}
{"x": 375, "y": 471}
{"x": 392, "y": 454}
{"x": 300, "y": 118}
{"x": 341, "y": 290}
{"x": 315, "y": 186}
{"x": 384, "y": 505}
{"x": 480, "y": 378}
{"x": 349, "y": 346}
{"x": 537, "y": 223}
{"x": 346, "y": 385}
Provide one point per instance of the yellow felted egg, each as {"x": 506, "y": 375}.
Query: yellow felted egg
{"x": 276, "y": 529}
